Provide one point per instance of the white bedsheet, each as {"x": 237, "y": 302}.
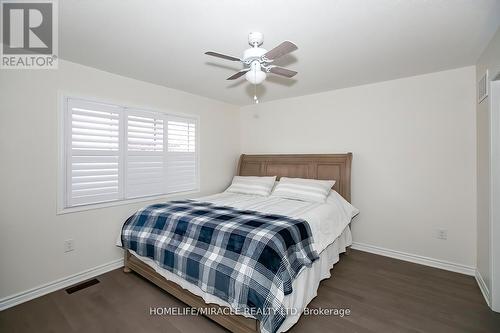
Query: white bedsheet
{"x": 327, "y": 220}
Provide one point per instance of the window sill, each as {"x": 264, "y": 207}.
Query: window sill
{"x": 61, "y": 211}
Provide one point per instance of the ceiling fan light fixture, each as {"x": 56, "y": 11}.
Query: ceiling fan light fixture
{"x": 255, "y": 75}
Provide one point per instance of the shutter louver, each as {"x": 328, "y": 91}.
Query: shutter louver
{"x": 145, "y": 156}
{"x": 181, "y": 155}
{"x": 93, "y": 167}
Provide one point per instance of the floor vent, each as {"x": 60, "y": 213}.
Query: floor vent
{"x": 81, "y": 286}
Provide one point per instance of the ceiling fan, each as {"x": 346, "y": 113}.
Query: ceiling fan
{"x": 258, "y": 61}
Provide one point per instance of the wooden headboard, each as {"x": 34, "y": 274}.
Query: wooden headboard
{"x": 314, "y": 166}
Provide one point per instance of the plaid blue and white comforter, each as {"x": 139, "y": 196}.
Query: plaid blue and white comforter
{"x": 247, "y": 258}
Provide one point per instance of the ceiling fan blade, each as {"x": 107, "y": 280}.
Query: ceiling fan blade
{"x": 280, "y": 50}
{"x": 223, "y": 56}
{"x": 282, "y": 71}
{"x": 238, "y": 74}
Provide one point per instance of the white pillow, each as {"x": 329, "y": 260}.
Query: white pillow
{"x": 335, "y": 198}
{"x": 252, "y": 185}
{"x": 311, "y": 190}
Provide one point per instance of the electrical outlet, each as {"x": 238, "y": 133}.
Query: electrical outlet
{"x": 69, "y": 245}
{"x": 442, "y": 234}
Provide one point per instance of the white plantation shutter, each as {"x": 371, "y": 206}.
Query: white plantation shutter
{"x": 93, "y": 147}
{"x": 181, "y": 154}
{"x": 115, "y": 153}
{"x": 145, "y": 155}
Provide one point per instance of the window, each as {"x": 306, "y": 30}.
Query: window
{"x": 114, "y": 153}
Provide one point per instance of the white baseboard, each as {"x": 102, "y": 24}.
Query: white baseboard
{"x": 44, "y": 289}
{"x": 483, "y": 287}
{"x": 442, "y": 264}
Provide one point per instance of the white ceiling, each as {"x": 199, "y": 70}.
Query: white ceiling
{"x": 341, "y": 43}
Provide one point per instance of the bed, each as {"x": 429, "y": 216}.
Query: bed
{"x": 329, "y": 243}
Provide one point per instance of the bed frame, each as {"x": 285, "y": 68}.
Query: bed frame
{"x": 319, "y": 166}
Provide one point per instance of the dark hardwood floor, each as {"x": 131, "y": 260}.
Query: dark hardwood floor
{"x": 383, "y": 294}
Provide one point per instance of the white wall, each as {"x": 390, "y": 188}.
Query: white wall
{"x": 414, "y": 150}
{"x": 489, "y": 60}
{"x": 31, "y": 234}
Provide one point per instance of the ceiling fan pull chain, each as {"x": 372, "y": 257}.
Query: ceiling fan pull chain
{"x": 255, "y": 94}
